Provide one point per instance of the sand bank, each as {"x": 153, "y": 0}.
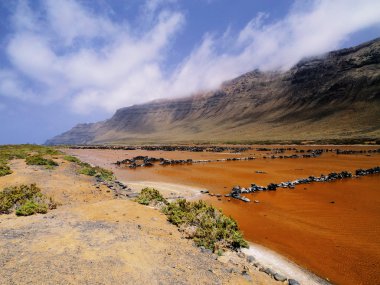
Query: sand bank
{"x": 282, "y": 265}
{"x": 169, "y": 190}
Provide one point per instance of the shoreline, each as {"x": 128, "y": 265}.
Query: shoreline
{"x": 268, "y": 258}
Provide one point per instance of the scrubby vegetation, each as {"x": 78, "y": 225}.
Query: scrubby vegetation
{"x": 97, "y": 171}
{"x": 25, "y": 199}
{"x": 4, "y": 169}
{"x": 208, "y": 226}
{"x": 9, "y": 152}
{"x": 150, "y": 196}
{"x": 39, "y": 160}
{"x": 30, "y": 208}
{"x": 89, "y": 170}
{"x": 71, "y": 158}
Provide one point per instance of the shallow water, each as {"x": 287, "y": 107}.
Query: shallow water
{"x": 333, "y": 228}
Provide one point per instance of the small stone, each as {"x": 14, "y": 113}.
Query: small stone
{"x": 269, "y": 271}
{"x": 241, "y": 254}
{"x": 245, "y": 274}
{"x": 279, "y": 277}
{"x": 251, "y": 258}
{"x": 206, "y": 250}
{"x": 293, "y": 282}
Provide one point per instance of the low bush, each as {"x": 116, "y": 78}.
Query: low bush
{"x": 4, "y": 169}
{"x": 24, "y": 199}
{"x": 31, "y": 208}
{"x": 103, "y": 174}
{"x": 150, "y": 196}
{"x": 205, "y": 224}
{"x": 39, "y": 160}
{"x": 71, "y": 158}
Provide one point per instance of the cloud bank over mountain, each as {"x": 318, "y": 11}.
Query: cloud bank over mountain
{"x": 67, "y": 51}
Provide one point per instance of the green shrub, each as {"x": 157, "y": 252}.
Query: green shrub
{"x": 150, "y": 195}
{"x": 210, "y": 227}
{"x": 71, "y": 158}
{"x": 23, "y": 199}
{"x": 31, "y": 208}
{"x": 39, "y": 160}
{"x": 4, "y": 169}
{"x": 87, "y": 169}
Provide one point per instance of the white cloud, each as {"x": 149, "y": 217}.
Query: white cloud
{"x": 77, "y": 55}
{"x": 70, "y": 21}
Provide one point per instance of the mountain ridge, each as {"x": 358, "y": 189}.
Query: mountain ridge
{"x": 331, "y": 96}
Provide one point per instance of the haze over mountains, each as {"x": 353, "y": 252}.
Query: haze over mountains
{"x": 333, "y": 96}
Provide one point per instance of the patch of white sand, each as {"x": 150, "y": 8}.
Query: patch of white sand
{"x": 283, "y": 266}
{"x": 167, "y": 189}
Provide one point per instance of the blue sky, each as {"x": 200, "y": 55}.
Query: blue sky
{"x": 65, "y": 62}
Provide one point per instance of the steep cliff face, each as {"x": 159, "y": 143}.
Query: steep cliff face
{"x": 328, "y": 97}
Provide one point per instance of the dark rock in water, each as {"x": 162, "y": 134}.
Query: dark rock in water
{"x": 272, "y": 187}
{"x": 279, "y": 277}
{"x": 293, "y": 282}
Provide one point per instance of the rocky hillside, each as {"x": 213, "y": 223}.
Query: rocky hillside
{"x": 334, "y": 96}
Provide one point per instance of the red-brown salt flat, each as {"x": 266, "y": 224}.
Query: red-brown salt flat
{"x": 332, "y": 229}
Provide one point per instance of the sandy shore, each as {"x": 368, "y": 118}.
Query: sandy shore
{"x": 282, "y": 265}
{"x": 168, "y": 190}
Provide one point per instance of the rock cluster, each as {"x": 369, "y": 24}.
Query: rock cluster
{"x": 340, "y": 151}
{"x": 309, "y": 154}
{"x": 119, "y": 189}
{"x": 269, "y": 271}
{"x": 139, "y": 161}
{"x": 238, "y": 190}
{"x": 146, "y": 161}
